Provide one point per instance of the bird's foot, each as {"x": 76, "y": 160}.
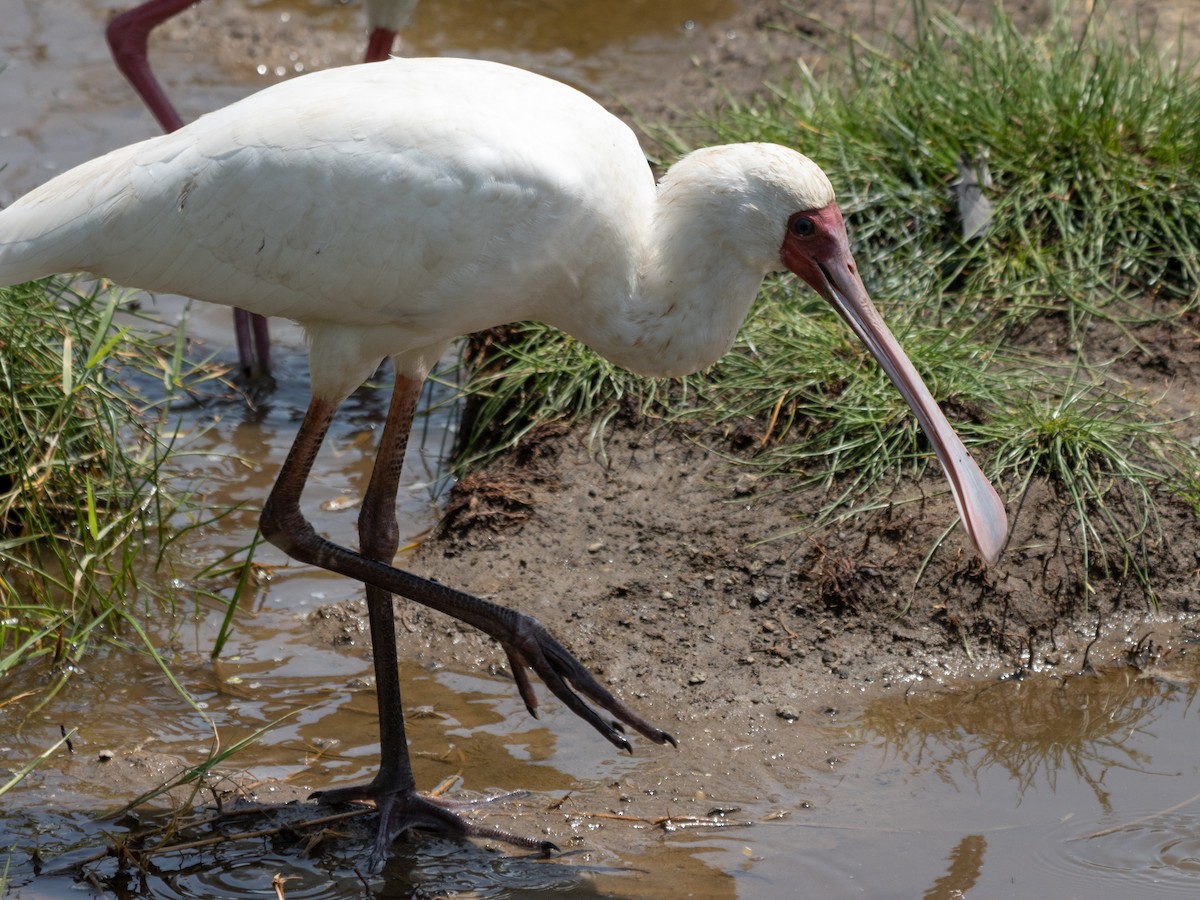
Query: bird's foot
{"x": 530, "y": 646}
{"x": 404, "y": 808}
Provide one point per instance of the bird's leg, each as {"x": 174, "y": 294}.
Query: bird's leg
{"x": 127, "y": 36}
{"x": 254, "y": 345}
{"x": 394, "y": 789}
{"x": 525, "y": 641}
{"x": 379, "y": 45}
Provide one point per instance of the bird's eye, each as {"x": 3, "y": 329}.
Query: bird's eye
{"x": 802, "y": 226}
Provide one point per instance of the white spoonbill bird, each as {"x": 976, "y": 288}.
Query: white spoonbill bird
{"x": 127, "y": 36}
{"x": 390, "y": 208}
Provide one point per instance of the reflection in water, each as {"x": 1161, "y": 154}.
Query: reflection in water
{"x": 239, "y": 854}
{"x": 966, "y": 861}
{"x": 1044, "y": 788}
{"x": 1073, "y": 775}
{"x": 1035, "y": 730}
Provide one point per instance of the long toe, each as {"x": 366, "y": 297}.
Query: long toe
{"x": 358, "y": 793}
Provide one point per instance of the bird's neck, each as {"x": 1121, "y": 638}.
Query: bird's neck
{"x": 692, "y": 294}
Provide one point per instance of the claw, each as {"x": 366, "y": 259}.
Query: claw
{"x": 529, "y": 646}
{"x": 517, "y": 666}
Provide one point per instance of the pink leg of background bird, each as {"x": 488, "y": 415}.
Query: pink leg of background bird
{"x": 128, "y": 35}
{"x": 379, "y": 45}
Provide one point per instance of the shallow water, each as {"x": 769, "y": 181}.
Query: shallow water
{"x": 1083, "y": 787}
{"x": 1079, "y": 787}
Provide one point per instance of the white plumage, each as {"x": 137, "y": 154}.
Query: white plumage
{"x": 389, "y": 208}
{"x": 361, "y": 204}
{"x": 128, "y": 35}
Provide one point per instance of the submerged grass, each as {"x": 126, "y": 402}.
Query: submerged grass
{"x": 1091, "y": 141}
{"x": 82, "y": 494}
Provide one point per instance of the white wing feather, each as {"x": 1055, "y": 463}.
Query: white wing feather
{"x": 410, "y": 191}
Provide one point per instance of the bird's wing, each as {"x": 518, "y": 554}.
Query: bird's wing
{"x": 404, "y": 193}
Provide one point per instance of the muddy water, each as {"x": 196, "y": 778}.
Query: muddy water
{"x": 1082, "y": 787}
{"x": 1043, "y": 788}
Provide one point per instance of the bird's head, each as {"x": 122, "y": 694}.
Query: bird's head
{"x": 789, "y": 211}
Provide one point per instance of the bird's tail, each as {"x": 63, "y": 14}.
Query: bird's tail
{"x": 54, "y": 228}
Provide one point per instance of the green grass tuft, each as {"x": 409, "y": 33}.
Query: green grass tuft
{"x": 1111, "y": 458}
{"x": 1090, "y": 139}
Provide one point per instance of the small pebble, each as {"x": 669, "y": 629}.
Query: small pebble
{"x": 745, "y": 485}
